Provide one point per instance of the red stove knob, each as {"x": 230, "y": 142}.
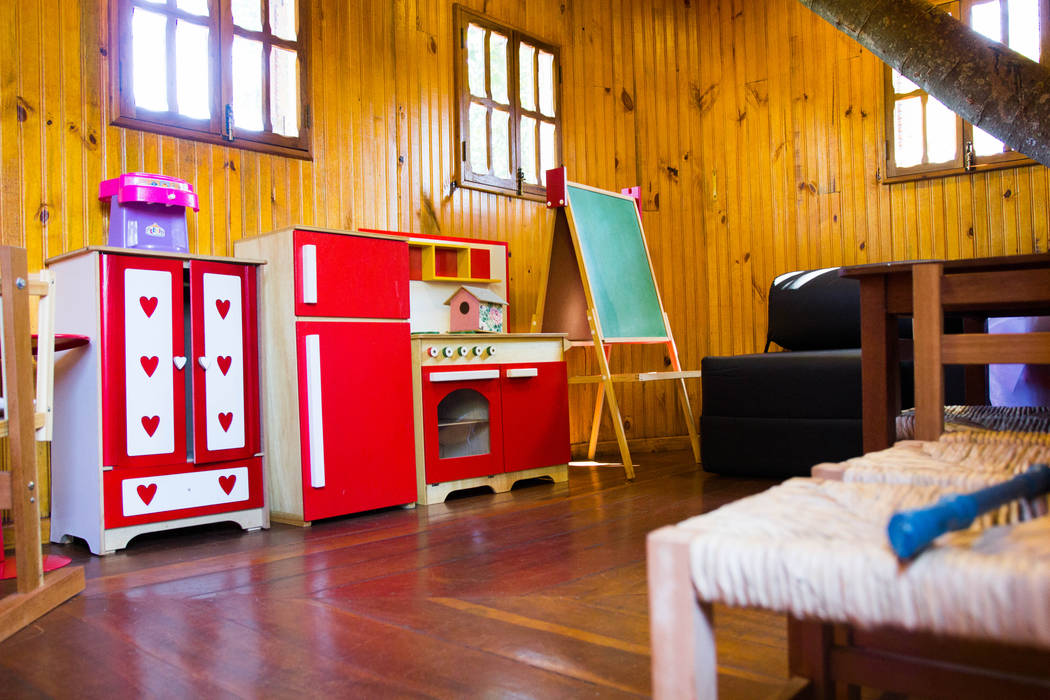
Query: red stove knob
{"x": 432, "y": 351}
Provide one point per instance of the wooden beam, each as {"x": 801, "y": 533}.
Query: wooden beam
{"x": 19, "y": 609}
{"x": 636, "y": 377}
{"x": 1007, "y": 348}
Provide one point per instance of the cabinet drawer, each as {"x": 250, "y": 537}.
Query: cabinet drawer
{"x": 152, "y": 494}
{"x": 350, "y": 276}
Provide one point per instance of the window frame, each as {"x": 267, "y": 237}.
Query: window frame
{"x": 488, "y": 182}
{"x": 964, "y": 130}
{"x": 125, "y": 113}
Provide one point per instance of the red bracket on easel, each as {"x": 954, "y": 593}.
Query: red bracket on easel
{"x": 634, "y": 193}
{"x": 556, "y": 187}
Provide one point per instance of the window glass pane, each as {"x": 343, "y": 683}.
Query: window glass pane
{"x": 149, "y": 60}
{"x": 546, "y": 83}
{"x": 984, "y": 144}
{"x": 192, "y": 87}
{"x": 501, "y": 144}
{"x": 247, "y": 84}
{"x": 478, "y": 148}
{"x": 984, "y": 19}
{"x": 194, "y": 7}
{"x": 907, "y": 132}
{"x": 526, "y": 74}
{"x": 284, "y": 91}
{"x": 942, "y": 142}
{"x": 902, "y": 85}
{"x": 498, "y": 67}
{"x": 548, "y": 150}
{"x": 1023, "y": 17}
{"x": 247, "y": 14}
{"x": 282, "y": 19}
{"x": 476, "y": 61}
{"x": 528, "y": 149}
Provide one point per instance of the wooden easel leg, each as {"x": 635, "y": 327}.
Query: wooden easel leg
{"x": 614, "y": 408}
{"x": 683, "y": 395}
{"x": 596, "y": 420}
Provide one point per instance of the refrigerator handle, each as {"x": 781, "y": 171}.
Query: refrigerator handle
{"x": 313, "y": 410}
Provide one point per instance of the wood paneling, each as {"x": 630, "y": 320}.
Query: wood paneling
{"x": 752, "y": 126}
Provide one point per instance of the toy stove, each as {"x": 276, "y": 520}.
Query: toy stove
{"x": 488, "y": 405}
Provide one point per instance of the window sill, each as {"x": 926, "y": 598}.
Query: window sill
{"x": 214, "y": 139}
{"x": 493, "y": 189}
{"x": 951, "y": 172}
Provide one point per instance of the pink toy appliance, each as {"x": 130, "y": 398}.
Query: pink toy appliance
{"x": 148, "y": 211}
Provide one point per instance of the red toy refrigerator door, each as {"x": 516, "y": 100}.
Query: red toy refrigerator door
{"x": 355, "y": 416}
{"x": 223, "y": 358}
{"x": 143, "y": 366}
{"x": 461, "y": 422}
{"x": 350, "y": 276}
{"x": 535, "y": 415}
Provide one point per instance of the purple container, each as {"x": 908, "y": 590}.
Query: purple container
{"x": 148, "y": 211}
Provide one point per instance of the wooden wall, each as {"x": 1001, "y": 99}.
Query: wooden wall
{"x": 753, "y": 127}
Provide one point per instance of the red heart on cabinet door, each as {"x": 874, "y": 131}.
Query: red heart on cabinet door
{"x": 223, "y": 305}
{"x": 226, "y": 482}
{"x": 224, "y": 362}
{"x": 149, "y": 364}
{"x": 149, "y": 305}
{"x": 225, "y": 419}
{"x": 150, "y": 423}
{"x": 146, "y": 493}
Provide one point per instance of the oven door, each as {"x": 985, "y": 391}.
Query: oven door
{"x": 462, "y": 430}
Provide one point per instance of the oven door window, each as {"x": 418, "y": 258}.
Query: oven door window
{"x": 463, "y": 424}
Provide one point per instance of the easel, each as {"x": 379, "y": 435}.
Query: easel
{"x": 600, "y": 307}
{"x": 37, "y": 592}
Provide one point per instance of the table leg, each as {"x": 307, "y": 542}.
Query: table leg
{"x": 880, "y": 366}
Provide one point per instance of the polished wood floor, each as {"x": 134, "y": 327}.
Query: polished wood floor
{"x": 535, "y": 593}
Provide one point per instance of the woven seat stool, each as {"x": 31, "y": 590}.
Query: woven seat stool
{"x": 817, "y": 551}
{"x": 962, "y": 418}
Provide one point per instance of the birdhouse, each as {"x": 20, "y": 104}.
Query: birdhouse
{"x": 476, "y": 309}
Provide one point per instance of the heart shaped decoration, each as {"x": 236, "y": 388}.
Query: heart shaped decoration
{"x": 150, "y": 423}
{"x": 224, "y": 362}
{"x": 149, "y": 305}
{"x": 204, "y": 362}
{"x": 179, "y": 361}
{"x": 146, "y": 493}
{"x": 223, "y": 305}
{"x": 149, "y": 364}
{"x": 226, "y": 483}
{"x": 224, "y": 420}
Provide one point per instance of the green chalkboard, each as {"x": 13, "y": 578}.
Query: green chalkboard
{"x": 616, "y": 264}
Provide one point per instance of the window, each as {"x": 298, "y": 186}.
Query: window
{"x": 222, "y": 71}
{"x": 508, "y": 111}
{"x": 923, "y": 137}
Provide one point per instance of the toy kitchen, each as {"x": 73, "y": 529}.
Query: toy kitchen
{"x": 376, "y": 392}
{"x": 491, "y": 407}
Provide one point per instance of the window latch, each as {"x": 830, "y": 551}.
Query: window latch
{"x": 228, "y": 124}
{"x": 968, "y": 156}
{"x": 520, "y": 179}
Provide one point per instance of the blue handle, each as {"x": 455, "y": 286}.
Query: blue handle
{"x": 912, "y": 530}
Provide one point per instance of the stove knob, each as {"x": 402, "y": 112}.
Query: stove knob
{"x": 478, "y": 351}
{"x": 491, "y": 350}
{"x": 447, "y": 352}
{"x": 463, "y": 350}
{"x": 432, "y": 351}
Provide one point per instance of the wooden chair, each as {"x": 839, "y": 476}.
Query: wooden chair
{"x": 934, "y": 292}
{"x": 37, "y": 592}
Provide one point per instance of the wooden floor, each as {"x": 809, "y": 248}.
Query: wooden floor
{"x": 539, "y": 592}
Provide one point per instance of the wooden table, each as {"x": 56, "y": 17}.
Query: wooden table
{"x": 1016, "y": 285}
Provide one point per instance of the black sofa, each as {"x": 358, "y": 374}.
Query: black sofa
{"x": 776, "y": 414}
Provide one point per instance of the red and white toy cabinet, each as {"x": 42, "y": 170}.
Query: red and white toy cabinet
{"x": 337, "y": 372}
{"x": 159, "y": 420}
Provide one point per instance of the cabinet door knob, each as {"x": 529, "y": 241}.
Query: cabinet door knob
{"x": 179, "y": 361}
{"x": 204, "y": 362}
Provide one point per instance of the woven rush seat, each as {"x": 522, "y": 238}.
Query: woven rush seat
{"x": 960, "y": 461}
{"x": 818, "y": 549}
{"x": 961, "y": 418}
